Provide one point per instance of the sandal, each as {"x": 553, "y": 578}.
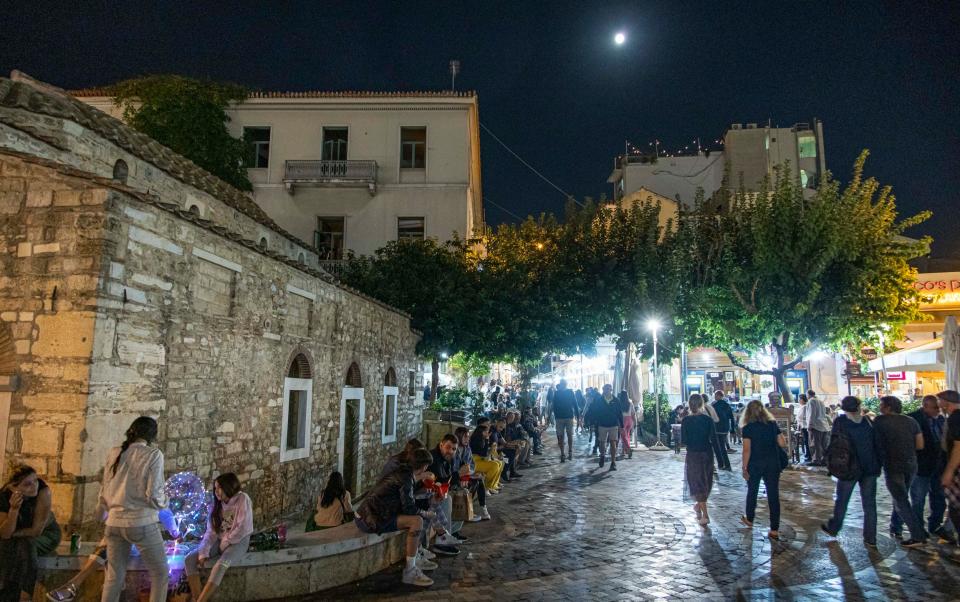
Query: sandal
{"x": 746, "y": 522}
{"x": 773, "y": 534}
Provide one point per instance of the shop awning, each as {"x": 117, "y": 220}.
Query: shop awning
{"x": 925, "y": 356}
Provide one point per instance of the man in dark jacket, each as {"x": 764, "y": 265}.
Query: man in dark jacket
{"x": 391, "y": 506}
{"x": 931, "y": 460}
{"x": 609, "y": 420}
{"x": 442, "y": 469}
{"x": 725, "y": 414}
{"x": 565, "y": 412}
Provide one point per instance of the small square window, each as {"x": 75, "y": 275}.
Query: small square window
{"x": 413, "y": 148}
{"x": 808, "y": 146}
{"x": 258, "y": 146}
{"x": 410, "y": 228}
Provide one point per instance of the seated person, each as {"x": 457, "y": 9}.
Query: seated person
{"x": 517, "y": 437}
{"x": 442, "y": 503}
{"x": 532, "y": 427}
{"x": 465, "y": 467}
{"x": 404, "y": 457}
{"x": 28, "y": 529}
{"x": 510, "y": 452}
{"x": 391, "y": 506}
{"x": 485, "y": 464}
{"x": 333, "y": 505}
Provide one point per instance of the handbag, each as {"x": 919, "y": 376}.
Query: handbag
{"x": 347, "y": 516}
{"x": 784, "y": 459}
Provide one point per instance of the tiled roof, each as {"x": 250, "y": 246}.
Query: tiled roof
{"x": 48, "y": 101}
{"x": 88, "y": 92}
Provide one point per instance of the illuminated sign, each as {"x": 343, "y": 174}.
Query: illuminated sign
{"x": 896, "y": 376}
{"x": 939, "y": 288}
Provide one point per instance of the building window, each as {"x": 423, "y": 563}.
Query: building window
{"x": 258, "y": 146}
{"x": 411, "y": 384}
{"x": 263, "y": 243}
{"x": 329, "y": 237}
{"x": 297, "y": 411}
{"x": 390, "y": 393}
{"x": 120, "y": 171}
{"x": 353, "y": 376}
{"x": 334, "y": 144}
{"x": 413, "y": 148}
{"x": 410, "y": 228}
{"x": 808, "y": 146}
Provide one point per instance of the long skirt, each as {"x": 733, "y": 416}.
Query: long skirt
{"x": 699, "y": 469}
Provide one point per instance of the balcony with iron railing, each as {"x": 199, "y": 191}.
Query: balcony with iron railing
{"x": 344, "y": 174}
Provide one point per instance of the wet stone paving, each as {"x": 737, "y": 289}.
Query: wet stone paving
{"x": 575, "y": 532}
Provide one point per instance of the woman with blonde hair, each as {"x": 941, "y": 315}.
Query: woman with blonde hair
{"x": 698, "y": 433}
{"x": 761, "y": 461}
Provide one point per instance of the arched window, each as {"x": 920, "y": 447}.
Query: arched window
{"x": 353, "y": 376}
{"x": 194, "y": 209}
{"x": 120, "y": 171}
{"x": 8, "y": 363}
{"x": 299, "y": 367}
{"x": 263, "y": 242}
{"x": 390, "y": 379}
{"x": 301, "y": 259}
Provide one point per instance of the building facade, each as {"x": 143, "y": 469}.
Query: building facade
{"x": 136, "y": 283}
{"x": 750, "y": 154}
{"x": 351, "y": 171}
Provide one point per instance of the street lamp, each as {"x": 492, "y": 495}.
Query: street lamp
{"x": 653, "y": 325}
{"x": 883, "y": 362}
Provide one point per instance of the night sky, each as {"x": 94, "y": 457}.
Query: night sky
{"x": 551, "y": 83}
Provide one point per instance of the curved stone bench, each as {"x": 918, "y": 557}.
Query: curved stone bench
{"x": 310, "y": 562}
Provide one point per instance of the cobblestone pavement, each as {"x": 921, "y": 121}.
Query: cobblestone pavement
{"x": 575, "y": 532}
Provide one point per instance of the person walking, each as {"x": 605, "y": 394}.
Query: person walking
{"x": 131, "y": 495}
{"x": 931, "y": 460}
{"x": 581, "y": 404}
{"x": 609, "y": 421}
{"x": 818, "y": 427}
{"x": 898, "y": 437}
{"x": 723, "y": 425}
{"x": 854, "y": 428}
{"x": 698, "y": 434}
{"x": 801, "y": 422}
{"x": 761, "y": 461}
{"x": 950, "y": 478}
{"x": 629, "y": 410}
{"x": 565, "y": 413}
{"x": 226, "y": 539}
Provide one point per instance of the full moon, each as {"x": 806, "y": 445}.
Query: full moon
{"x": 620, "y": 38}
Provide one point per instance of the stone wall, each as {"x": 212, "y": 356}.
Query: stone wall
{"x": 116, "y": 300}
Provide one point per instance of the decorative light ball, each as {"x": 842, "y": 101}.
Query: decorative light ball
{"x": 188, "y": 501}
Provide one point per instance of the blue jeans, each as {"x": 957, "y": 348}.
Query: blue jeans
{"x": 920, "y": 488}
{"x": 868, "y": 499}
{"x": 898, "y": 484}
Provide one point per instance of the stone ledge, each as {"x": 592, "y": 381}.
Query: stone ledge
{"x": 315, "y": 561}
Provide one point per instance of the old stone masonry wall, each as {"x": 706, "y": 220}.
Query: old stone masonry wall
{"x": 118, "y": 301}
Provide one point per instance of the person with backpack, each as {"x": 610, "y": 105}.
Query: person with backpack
{"x": 852, "y": 458}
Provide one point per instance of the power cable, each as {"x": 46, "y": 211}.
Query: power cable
{"x": 502, "y": 208}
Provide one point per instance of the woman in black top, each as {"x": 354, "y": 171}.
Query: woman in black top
{"x": 27, "y": 530}
{"x": 761, "y": 460}
{"x": 697, "y": 433}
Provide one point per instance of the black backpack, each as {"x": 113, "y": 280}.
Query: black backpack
{"x": 842, "y": 456}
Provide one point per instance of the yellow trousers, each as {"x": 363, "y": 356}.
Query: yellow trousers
{"x": 491, "y": 470}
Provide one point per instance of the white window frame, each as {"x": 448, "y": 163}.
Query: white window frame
{"x": 290, "y": 385}
{"x": 426, "y": 148}
{"x": 353, "y": 394}
{"x": 243, "y": 134}
{"x": 387, "y": 392}
{"x": 405, "y": 216}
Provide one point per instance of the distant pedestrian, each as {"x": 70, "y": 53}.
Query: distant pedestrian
{"x": 761, "y": 461}
{"x": 628, "y": 409}
{"x": 801, "y": 422}
{"x": 581, "y": 403}
{"x": 609, "y": 420}
{"x": 950, "y": 479}
{"x": 698, "y": 434}
{"x": 724, "y": 422}
{"x": 818, "y": 427}
{"x": 853, "y": 433}
{"x": 897, "y": 438}
{"x": 565, "y": 413}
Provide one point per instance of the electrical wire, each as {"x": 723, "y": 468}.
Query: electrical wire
{"x": 502, "y": 208}
{"x": 531, "y": 167}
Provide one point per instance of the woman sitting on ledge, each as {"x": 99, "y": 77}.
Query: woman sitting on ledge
{"x": 27, "y": 530}
{"x": 333, "y": 507}
{"x": 227, "y": 538}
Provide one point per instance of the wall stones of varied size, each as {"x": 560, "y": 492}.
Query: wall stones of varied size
{"x": 51, "y": 241}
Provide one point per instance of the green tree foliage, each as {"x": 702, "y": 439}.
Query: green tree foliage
{"x": 466, "y": 365}
{"x": 778, "y": 275}
{"x": 189, "y": 117}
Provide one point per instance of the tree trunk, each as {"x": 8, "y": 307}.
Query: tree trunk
{"x": 434, "y": 378}
{"x": 780, "y": 375}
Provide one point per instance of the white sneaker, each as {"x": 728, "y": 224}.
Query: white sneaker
{"x": 492, "y": 492}
{"x": 427, "y": 553}
{"x": 416, "y": 577}
{"x": 447, "y": 540}
{"x": 476, "y": 518}
{"x": 425, "y": 565}
{"x": 484, "y": 514}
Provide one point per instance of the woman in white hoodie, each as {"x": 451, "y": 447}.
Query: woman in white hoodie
{"x": 227, "y": 538}
{"x": 132, "y": 496}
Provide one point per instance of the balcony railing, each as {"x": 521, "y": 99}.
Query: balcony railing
{"x": 334, "y": 267}
{"x": 330, "y": 173}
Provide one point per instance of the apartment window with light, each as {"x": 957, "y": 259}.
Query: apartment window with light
{"x": 334, "y": 144}
{"x": 413, "y": 148}
{"x": 410, "y": 228}
{"x": 258, "y": 146}
{"x": 808, "y": 146}
{"x": 329, "y": 237}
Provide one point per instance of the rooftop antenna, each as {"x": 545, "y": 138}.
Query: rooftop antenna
{"x": 454, "y": 70}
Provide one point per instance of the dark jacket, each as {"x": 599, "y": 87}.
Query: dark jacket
{"x": 725, "y": 414}
{"x": 864, "y": 445}
{"x": 607, "y": 414}
{"x": 479, "y": 445}
{"x": 564, "y": 405}
{"x": 390, "y": 497}
{"x": 931, "y": 458}
{"x": 441, "y": 468}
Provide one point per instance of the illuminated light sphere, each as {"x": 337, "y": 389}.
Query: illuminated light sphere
{"x": 188, "y": 501}
{"x": 619, "y": 38}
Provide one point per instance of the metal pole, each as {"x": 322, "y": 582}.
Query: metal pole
{"x": 658, "y": 446}
{"x": 883, "y": 364}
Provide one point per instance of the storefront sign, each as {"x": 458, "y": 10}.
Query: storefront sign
{"x": 939, "y": 288}
{"x": 896, "y": 376}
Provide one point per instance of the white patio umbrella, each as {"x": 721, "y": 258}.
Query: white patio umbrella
{"x": 951, "y": 352}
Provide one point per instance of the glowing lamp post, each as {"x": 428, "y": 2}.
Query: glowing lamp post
{"x": 653, "y": 325}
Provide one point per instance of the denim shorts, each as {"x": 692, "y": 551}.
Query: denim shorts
{"x": 386, "y": 527}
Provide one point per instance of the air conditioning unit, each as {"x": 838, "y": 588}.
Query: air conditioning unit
{"x": 735, "y": 126}
{"x": 751, "y": 126}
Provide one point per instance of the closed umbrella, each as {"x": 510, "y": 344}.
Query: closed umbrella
{"x": 951, "y": 352}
